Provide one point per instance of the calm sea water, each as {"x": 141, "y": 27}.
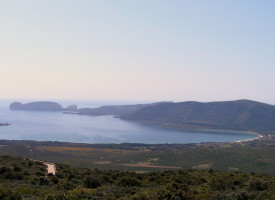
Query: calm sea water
{"x": 55, "y": 126}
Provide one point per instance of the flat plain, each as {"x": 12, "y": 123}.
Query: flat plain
{"x": 252, "y": 156}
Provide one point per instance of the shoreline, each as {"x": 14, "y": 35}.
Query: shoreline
{"x": 259, "y": 136}
{"x": 247, "y": 140}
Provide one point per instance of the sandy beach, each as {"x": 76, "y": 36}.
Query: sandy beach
{"x": 254, "y": 133}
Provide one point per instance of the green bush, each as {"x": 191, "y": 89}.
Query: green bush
{"x": 129, "y": 182}
{"x": 44, "y": 181}
{"x": 92, "y": 182}
{"x": 257, "y": 184}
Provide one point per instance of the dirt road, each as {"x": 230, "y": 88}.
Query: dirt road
{"x": 50, "y": 167}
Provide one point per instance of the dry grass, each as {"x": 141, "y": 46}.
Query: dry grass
{"x": 58, "y": 149}
{"x": 106, "y": 162}
{"x": 148, "y": 165}
{"x": 204, "y": 166}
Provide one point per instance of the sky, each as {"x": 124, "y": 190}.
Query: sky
{"x": 153, "y": 50}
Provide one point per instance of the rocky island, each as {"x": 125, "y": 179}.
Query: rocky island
{"x": 41, "y": 106}
{"x": 4, "y": 124}
{"x": 37, "y": 106}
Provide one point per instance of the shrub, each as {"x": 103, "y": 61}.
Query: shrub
{"x": 68, "y": 186}
{"x": 258, "y": 184}
{"x": 39, "y": 174}
{"x": 54, "y": 179}
{"x": 44, "y": 181}
{"x": 129, "y": 182}
{"x": 92, "y": 182}
{"x": 16, "y": 168}
{"x": 4, "y": 170}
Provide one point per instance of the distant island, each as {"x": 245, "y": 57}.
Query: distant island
{"x": 4, "y": 124}
{"x": 241, "y": 115}
{"x": 41, "y": 106}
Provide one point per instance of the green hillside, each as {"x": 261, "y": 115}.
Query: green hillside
{"x": 27, "y": 179}
{"x": 110, "y": 110}
{"x": 234, "y": 115}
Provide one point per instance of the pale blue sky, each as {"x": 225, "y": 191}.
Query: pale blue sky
{"x": 138, "y": 50}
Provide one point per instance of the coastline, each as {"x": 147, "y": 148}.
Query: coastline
{"x": 99, "y": 145}
{"x": 203, "y": 129}
{"x": 173, "y": 128}
{"x": 247, "y": 140}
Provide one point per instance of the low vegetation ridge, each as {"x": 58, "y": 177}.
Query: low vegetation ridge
{"x": 26, "y": 179}
{"x": 111, "y": 110}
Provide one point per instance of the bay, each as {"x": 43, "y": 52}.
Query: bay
{"x": 56, "y": 126}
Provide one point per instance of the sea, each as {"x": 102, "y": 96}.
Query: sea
{"x": 56, "y": 126}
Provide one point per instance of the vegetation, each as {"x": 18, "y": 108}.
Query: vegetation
{"x": 254, "y": 156}
{"x": 139, "y": 171}
{"x": 231, "y": 115}
{"x": 111, "y": 110}
{"x": 26, "y": 179}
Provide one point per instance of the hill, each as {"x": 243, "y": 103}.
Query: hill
{"x": 116, "y": 110}
{"x": 235, "y": 115}
{"x": 27, "y": 179}
{"x": 111, "y": 110}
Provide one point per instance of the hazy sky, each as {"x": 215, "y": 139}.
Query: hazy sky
{"x": 138, "y": 49}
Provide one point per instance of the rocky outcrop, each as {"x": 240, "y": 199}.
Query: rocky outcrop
{"x": 4, "y": 124}
{"x": 16, "y": 106}
{"x": 37, "y": 106}
{"x": 72, "y": 108}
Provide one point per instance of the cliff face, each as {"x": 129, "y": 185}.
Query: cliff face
{"x": 37, "y": 106}
{"x": 16, "y": 106}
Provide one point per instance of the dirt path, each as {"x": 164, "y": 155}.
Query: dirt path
{"x": 50, "y": 167}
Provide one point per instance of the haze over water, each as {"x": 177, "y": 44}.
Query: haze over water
{"x": 56, "y": 126}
